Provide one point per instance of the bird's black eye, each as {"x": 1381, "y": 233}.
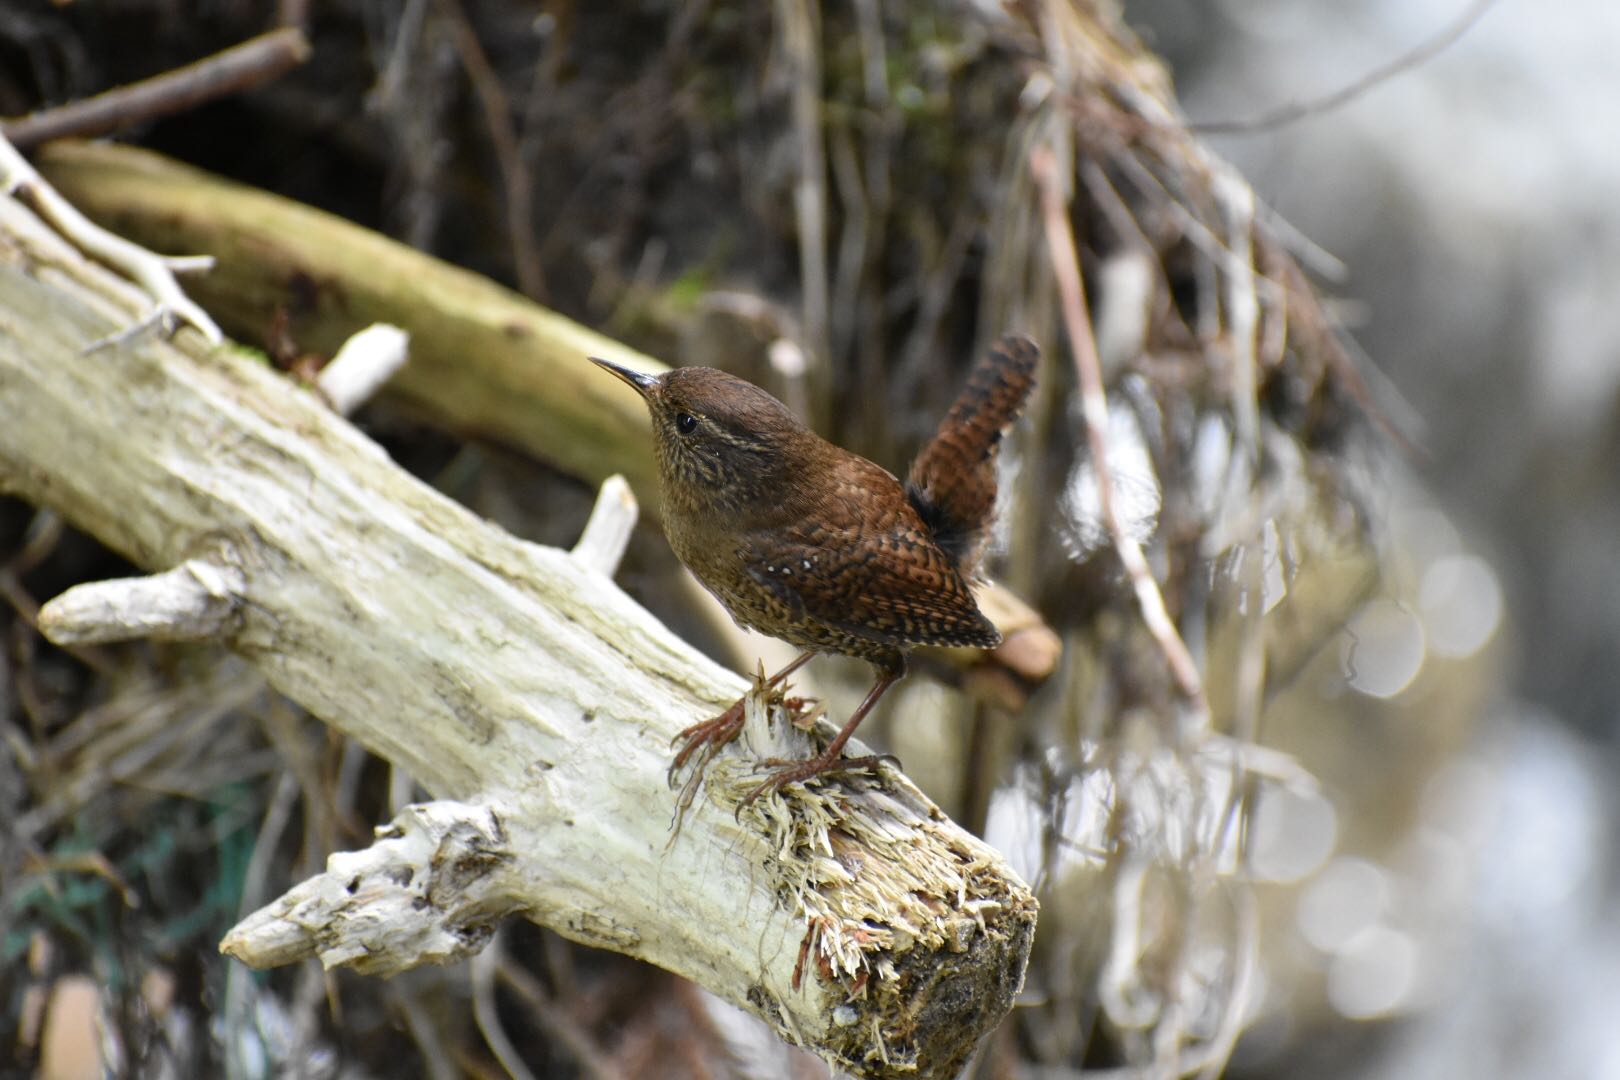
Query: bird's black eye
{"x": 685, "y": 423}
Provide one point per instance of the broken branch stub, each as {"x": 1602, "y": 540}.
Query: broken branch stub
{"x": 366, "y": 361}
{"x": 426, "y": 892}
{"x": 193, "y": 602}
{"x": 517, "y": 683}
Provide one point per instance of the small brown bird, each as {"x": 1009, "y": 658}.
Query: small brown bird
{"x": 820, "y": 547}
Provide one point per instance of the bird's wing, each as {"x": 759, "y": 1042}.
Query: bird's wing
{"x": 889, "y": 584}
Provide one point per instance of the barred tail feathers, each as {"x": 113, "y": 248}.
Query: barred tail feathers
{"x": 952, "y": 484}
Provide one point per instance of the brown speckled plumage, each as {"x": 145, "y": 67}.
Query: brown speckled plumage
{"x": 818, "y": 546}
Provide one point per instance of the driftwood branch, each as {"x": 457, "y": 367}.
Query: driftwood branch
{"x": 516, "y": 683}
{"x": 430, "y": 890}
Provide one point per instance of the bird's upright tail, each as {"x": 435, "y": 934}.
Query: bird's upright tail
{"x": 952, "y": 483}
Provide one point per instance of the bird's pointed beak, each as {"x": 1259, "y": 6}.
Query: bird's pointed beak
{"x": 642, "y": 383}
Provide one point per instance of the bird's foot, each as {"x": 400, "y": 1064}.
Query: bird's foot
{"x": 701, "y": 741}
{"x": 707, "y": 737}
{"x": 791, "y": 772}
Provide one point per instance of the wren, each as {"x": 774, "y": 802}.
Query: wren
{"x": 818, "y": 546}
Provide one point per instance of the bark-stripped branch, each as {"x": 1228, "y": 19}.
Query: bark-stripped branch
{"x": 517, "y": 684}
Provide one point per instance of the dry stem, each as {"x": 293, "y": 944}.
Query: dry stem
{"x": 1066, "y": 268}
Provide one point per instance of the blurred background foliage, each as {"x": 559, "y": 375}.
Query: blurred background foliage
{"x": 1384, "y": 848}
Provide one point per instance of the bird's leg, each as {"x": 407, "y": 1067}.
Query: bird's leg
{"x": 715, "y": 733}
{"x": 830, "y": 759}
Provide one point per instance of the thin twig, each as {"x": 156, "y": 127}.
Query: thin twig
{"x": 1066, "y": 268}
{"x": 1299, "y": 110}
{"x": 1193, "y": 229}
{"x": 438, "y": 1059}
{"x": 277, "y": 813}
{"x": 567, "y": 1033}
{"x": 1235, "y": 201}
{"x": 241, "y": 67}
{"x": 503, "y": 137}
{"x": 487, "y": 1016}
{"x": 853, "y": 238}
{"x": 1209, "y": 1059}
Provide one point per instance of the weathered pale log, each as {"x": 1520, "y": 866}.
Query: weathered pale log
{"x": 518, "y": 684}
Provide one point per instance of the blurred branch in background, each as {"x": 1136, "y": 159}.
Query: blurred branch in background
{"x": 1294, "y": 112}
{"x": 503, "y": 137}
{"x": 238, "y": 68}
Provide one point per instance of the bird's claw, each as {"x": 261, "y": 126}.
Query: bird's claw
{"x": 709, "y": 735}
{"x": 703, "y": 740}
{"x": 791, "y": 772}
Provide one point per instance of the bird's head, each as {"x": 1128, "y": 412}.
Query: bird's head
{"x": 721, "y": 438}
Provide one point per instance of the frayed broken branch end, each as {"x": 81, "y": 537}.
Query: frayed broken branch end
{"x": 886, "y": 886}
